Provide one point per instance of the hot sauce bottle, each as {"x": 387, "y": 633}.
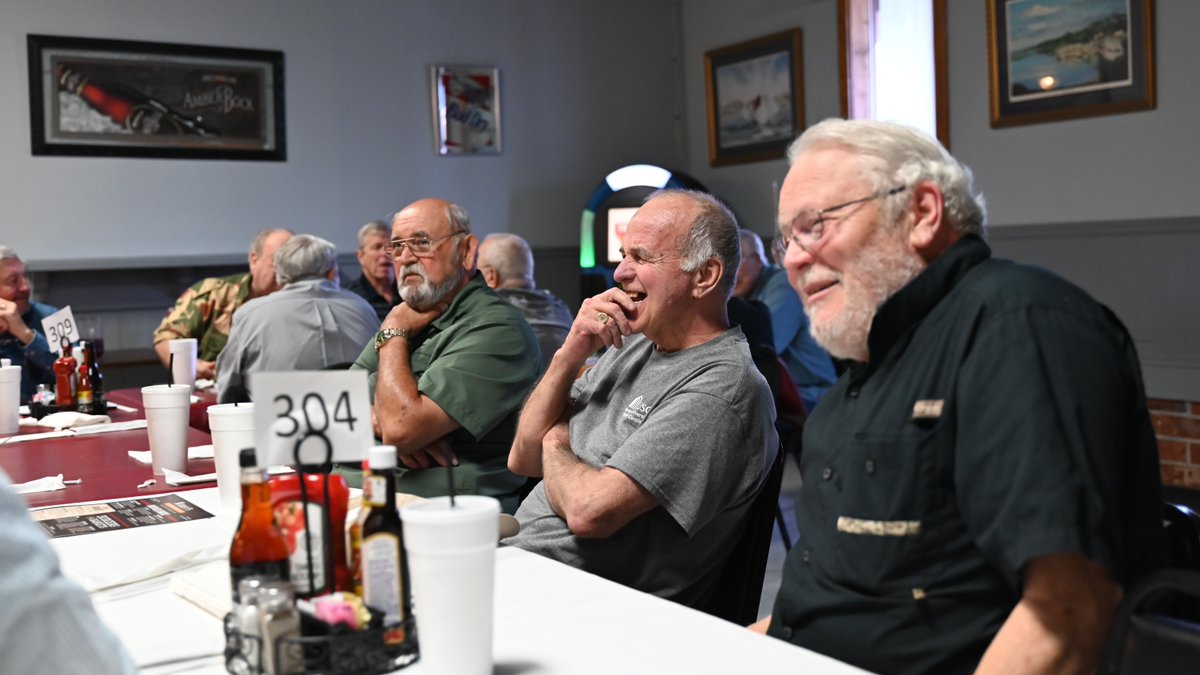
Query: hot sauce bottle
{"x": 64, "y": 377}
{"x": 258, "y": 547}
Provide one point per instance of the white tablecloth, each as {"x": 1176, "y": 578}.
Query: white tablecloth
{"x": 550, "y": 618}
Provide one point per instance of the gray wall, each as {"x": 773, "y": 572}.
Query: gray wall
{"x": 358, "y": 120}
{"x": 1108, "y": 202}
{"x": 708, "y": 24}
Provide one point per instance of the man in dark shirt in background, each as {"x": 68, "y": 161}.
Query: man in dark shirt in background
{"x": 983, "y": 481}
{"x": 810, "y": 367}
{"x": 507, "y": 266}
{"x": 377, "y": 283}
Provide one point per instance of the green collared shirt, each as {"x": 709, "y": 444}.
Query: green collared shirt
{"x": 478, "y": 362}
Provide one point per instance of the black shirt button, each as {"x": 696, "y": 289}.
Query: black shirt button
{"x": 870, "y": 466}
{"x": 805, "y": 556}
{"x": 852, "y": 392}
{"x": 827, "y": 473}
{"x": 787, "y": 632}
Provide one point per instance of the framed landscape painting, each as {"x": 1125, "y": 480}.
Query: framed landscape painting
{"x": 151, "y": 99}
{"x": 755, "y": 98}
{"x": 1061, "y": 59}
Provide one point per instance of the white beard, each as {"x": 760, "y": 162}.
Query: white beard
{"x": 425, "y": 294}
{"x": 879, "y": 269}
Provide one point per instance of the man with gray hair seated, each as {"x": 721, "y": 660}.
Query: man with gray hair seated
{"x": 21, "y": 338}
{"x": 377, "y": 285}
{"x": 308, "y": 325}
{"x": 810, "y": 367}
{"x": 507, "y": 266}
{"x": 651, "y": 460}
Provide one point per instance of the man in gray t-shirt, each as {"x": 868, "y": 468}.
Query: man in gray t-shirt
{"x": 650, "y": 461}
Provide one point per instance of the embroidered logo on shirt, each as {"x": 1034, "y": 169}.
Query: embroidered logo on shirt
{"x": 928, "y": 409}
{"x": 636, "y": 411}
{"x": 879, "y": 528}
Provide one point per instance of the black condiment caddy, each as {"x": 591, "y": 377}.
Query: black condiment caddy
{"x": 324, "y": 649}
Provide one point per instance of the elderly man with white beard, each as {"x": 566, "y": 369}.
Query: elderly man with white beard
{"x": 451, "y": 364}
{"x": 982, "y": 483}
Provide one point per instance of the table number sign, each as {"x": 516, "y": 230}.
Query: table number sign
{"x": 311, "y": 417}
{"x": 59, "y": 325}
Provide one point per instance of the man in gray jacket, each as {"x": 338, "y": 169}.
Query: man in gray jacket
{"x": 308, "y": 325}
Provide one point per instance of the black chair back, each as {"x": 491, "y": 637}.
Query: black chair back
{"x": 1182, "y": 527}
{"x": 739, "y": 586}
{"x": 1143, "y": 639}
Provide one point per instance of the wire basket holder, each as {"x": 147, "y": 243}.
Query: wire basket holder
{"x": 323, "y": 649}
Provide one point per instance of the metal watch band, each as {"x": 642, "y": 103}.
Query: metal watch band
{"x": 386, "y": 334}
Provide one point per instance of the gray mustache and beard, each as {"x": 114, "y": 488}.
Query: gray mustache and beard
{"x": 879, "y": 269}
{"x": 424, "y": 295}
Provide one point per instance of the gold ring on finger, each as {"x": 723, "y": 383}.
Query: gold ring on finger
{"x": 602, "y": 317}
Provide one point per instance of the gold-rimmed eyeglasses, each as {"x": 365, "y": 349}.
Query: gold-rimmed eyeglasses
{"x": 420, "y": 246}
{"x": 810, "y": 226}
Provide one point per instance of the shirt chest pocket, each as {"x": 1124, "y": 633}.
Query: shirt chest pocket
{"x": 881, "y": 496}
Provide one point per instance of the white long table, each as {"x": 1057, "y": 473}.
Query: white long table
{"x": 550, "y": 618}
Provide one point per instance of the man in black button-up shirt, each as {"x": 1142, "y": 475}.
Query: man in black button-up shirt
{"x": 983, "y": 482}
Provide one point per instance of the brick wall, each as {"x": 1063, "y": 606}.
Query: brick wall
{"x": 1177, "y": 424}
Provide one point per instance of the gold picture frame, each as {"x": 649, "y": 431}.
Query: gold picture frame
{"x": 755, "y": 93}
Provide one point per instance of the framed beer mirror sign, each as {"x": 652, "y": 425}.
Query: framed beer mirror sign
{"x": 152, "y": 99}
{"x": 466, "y": 110}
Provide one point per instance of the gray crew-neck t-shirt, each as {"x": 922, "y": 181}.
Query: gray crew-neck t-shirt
{"x": 696, "y": 429}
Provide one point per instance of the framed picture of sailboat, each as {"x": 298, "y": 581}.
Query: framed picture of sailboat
{"x": 755, "y": 98}
{"x": 1062, "y": 59}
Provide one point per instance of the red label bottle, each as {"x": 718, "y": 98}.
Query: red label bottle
{"x": 64, "y": 377}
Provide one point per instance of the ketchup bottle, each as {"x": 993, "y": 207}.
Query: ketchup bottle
{"x": 64, "y": 377}
{"x": 290, "y": 515}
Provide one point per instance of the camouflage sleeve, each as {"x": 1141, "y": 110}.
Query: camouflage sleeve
{"x": 187, "y": 318}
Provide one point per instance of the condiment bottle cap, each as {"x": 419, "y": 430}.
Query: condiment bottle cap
{"x": 383, "y": 457}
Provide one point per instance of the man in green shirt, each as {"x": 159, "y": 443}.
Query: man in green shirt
{"x": 451, "y": 365}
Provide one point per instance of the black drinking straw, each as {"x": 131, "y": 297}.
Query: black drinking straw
{"x": 450, "y": 479}
{"x": 171, "y": 369}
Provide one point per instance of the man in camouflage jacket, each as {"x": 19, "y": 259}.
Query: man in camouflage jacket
{"x": 205, "y": 311}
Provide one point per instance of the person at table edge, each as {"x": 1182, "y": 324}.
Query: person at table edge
{"x": 983, "y": 481}
{"x": 451, "y": 364}
{"x": 21, "y": 338}
{"x": 205, "y": 311}
{"x": 651, "y": 460}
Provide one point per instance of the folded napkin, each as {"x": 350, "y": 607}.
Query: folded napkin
{"x": 69, "y": 420}
{"x": 202, "y": 384}
{"x": 47, "y": 484}
{"x": 180, "y": 478}
{"x": 198, "y": 452}
{"x": 11, "y": 440}
{"x": 108, "y": 428}
{"x": 207, "y": 586}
